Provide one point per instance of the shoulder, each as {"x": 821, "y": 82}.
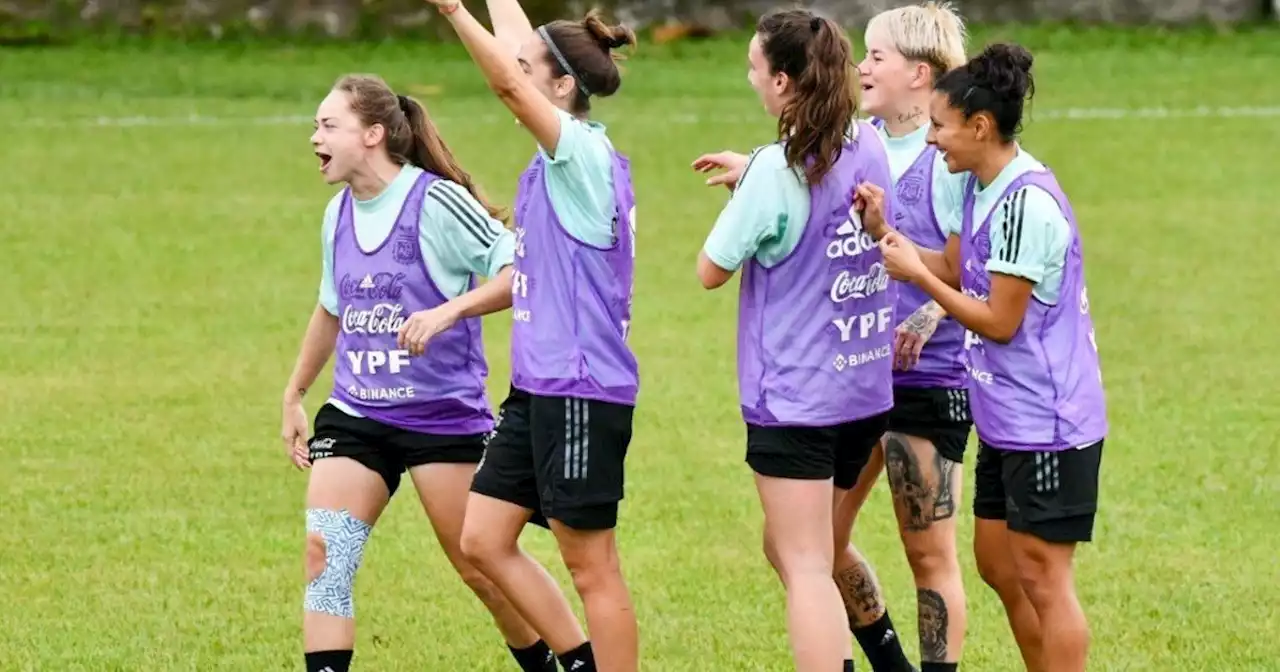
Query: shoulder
{"x": 331, "y": 211}
{"x": 1027, "y": 225}
{"x": 764, "y": 163}
{"x": 451, "y": 205}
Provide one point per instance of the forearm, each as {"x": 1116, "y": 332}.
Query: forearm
{"x": 976, "y": 315}
{"x": 317, "y": 346}
{"x": 491, "y": 297}
{"x": 500, "y": 70}
{"x": 510, "y": 24}
{"x": 938, "y": 264}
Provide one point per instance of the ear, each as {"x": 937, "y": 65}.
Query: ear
{"x": 781, "y": 82}
{"x": 564, "y": 86}
{"x": 921, "y": 75}
{"x": 374, "y": 135}
{"x": 984, "y": 127}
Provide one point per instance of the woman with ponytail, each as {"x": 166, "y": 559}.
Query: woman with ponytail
{"x": 404, "y": 243}
{"x": 815, "y": 323}
{"x": 557, "y": 458}
{"x": 1013, "y": 275}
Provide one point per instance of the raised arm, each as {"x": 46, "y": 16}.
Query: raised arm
{"x": 510, "y": 24}
{"x": 507, "y": 77}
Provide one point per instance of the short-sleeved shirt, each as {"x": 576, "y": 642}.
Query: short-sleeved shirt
{"x": 457, "y": 237}
{"x": 766, "y": 215}
{"x": 579, "y": 178}
{"x": 1028, "y": 232}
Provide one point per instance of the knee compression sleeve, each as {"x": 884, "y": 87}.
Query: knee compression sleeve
{"x": 344, "y": 539}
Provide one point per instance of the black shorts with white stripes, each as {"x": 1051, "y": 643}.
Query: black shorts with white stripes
{"x": 938, "y": 415}
{"x": 1052, "y": 495}
{"x": 561, "y": 457}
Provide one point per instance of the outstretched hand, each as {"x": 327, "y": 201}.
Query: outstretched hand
{"x": 733, "y": 163}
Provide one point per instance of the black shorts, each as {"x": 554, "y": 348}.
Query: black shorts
{"x": 560, "y": 457}
{"x": 936, "y": 414}
{"x": 1051, "y": 495}
{"x": 838, "y": 452}
{"x": 385, "y": 449}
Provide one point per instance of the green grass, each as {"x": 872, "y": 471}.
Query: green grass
{"x": 159, "y": 278}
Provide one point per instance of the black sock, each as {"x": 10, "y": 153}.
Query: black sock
{"x": 939, "y": 667}
{"x": 329, "y": 661}
{"x": 848, "y": 666}
{"x": 578, "y": 660}
{"x": 535, "y": 658}
{"x": 880, "y": 642}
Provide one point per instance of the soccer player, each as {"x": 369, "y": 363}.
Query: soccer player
{"x": 559, "y": 450}
{"x": 907, "y": 50}
{"x": 815, "y": 314}
{"x": 403, "y": 243}
{"x": 1013, "y": 275}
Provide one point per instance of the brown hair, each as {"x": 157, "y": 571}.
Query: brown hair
{"x": 818, "y": 59}
{"x": 411, "y": 137}
{"x": 587, "y": 47}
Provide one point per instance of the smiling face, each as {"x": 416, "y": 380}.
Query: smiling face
{"x": 772, "y": 88}
{"x": 341, "y": 140}
{"x": 887, "y": 77}
{"x": 962, "y": 141}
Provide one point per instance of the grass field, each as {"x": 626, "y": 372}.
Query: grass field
{"x": 160, "y": 272}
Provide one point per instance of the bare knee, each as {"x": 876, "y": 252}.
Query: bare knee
{"x": 592, "y": 560}
{"x": 931, "y": 560}
{"x": 997, "y": 570}
{"x": 1042, "y": 576}
{"x": 315, "y": 556}
{"x": 793, "y": 563}
{"x": 481, "y": 548}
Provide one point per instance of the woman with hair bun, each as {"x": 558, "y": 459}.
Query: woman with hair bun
{"x": 558, "y": 453}
{"x": 1014, "y": 277}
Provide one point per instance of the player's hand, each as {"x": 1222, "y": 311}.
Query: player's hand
{"x": 423, "y": 326}
{"x": 733, "y": 163}
{"x": 293, "y": 431}
{"x": 868, "y": 200}
{"x": 443, "y": 3}
{"x": 901, "y": 258}
{"x": 910, "y": 336}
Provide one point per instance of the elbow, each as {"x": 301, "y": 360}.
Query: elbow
{"x": 506, "y": 86}
{"x": 712, "y": 276}
{"x": 1003, "y": 333}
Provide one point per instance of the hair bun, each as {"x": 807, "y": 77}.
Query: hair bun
{"x": 1003, "y": 68}
{"x": 608, "y": 37}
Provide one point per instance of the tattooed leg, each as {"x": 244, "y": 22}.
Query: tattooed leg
{"x": 926, "y": 490}
{"x": 859, "y": 589}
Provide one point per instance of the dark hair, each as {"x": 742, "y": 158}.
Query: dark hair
{"x": 998, "y": 81}
{"x": 411, "y": 137}
{"x": 587, "y": 48}
{"x": 816, "y": 55}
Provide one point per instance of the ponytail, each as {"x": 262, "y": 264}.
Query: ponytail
{"x": 411, "y": 137}
{"x": 426, "y": 150}
{"x": 817, "y": 57}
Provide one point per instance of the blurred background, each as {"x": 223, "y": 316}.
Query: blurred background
{"x": 160, "y": 254}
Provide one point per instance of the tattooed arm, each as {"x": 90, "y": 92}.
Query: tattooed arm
{"x": 914, "y": 332}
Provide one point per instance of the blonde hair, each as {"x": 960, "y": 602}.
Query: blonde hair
{"x": 932, "y": 33}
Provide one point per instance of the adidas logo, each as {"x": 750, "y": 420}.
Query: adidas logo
{"x": 847, "y": 229}
{"x": 366, "y": 283}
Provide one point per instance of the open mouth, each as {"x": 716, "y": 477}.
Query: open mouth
{"x": 325, "y": 159}
{"x": 866, "y": 87}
